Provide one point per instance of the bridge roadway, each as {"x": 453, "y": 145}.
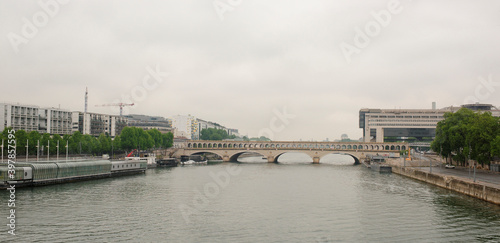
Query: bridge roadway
{"x": 272, "y": 150}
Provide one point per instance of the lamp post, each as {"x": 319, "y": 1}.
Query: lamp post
{"x": 474, "y": 171}
{"x": 27, "y": 149}
{"x": 48, "y": 149}
{"x": 57, "y": 156}
{"x": 38, "y": 150}
{"x": 2, "y": 150}
{"x": 468, "y": 160}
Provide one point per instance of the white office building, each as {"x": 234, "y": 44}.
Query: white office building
{"x": 400, "y": 123}
{"x": 33, "y": 118}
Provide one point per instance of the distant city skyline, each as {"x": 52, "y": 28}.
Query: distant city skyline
{"x": 295, "y": 70}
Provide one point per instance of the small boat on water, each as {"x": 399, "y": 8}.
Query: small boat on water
{"x": 192, "y": 162}
{"x": 169, "y": 162}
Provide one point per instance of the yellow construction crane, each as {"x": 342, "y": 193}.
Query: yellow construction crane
{"x": 121, "y": 105}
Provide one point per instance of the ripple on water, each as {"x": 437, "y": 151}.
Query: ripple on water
{"x": 264, "y": 203}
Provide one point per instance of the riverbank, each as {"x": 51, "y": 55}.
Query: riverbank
{"x": 482, "y": 190}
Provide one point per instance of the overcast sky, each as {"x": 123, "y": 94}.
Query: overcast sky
{"x": 239, "y": 62}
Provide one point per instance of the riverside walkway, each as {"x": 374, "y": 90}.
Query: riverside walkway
{"x": 486, "y": 186}
{"x": 493, "y": 178}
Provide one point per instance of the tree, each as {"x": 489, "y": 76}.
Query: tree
{"x": 206, "y": 133}
{"x": 451, "y": 134}
{"x": 213, "y": 134}
{"x": 75, "y": 142}
{"x": 33, "y": 138}
{"x": 90, "y": 145}
{"x": 465, "y": 134}
{"x": 135, "y": 138}
{"x": 482, "y": 131}
{"x": 145, "y": 139}
{"x": 44, "y": 141}
{"x": 495, "y": 146}
{"x": 53, "y": 146}
{"x": 116, "y": 144}
{"x": 156, "y": 136}
{"x": 129, "y": 139}
{"x": 167, "y": 140}
{"x": 21, "y": 137}
{"x": 105, "y": 143}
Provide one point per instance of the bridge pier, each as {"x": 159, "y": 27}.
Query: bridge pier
{"x": 270, "y": 159}
{"x": 226, "y": 158}
{"x": 315, "y": 160}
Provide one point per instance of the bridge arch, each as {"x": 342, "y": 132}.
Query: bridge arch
{"x": 234, "y": 157}
{"x": 356, "y": 159}
{"x": 290, "y": 151}
{"x": 206, "y": 151}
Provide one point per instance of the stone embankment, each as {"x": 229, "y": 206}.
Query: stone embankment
{"x": 481, "y": 190}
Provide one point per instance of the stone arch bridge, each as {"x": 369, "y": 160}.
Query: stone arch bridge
{"x": 229, "y": 151}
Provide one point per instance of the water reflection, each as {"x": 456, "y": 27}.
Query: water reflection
{"x": 297, "y": 158}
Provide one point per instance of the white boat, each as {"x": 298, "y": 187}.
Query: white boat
{"x": 192, "y": 162}
{"x": 189, "y": 162}
{"x": 149, "y": 158}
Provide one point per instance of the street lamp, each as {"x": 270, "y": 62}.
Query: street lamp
{"x": 468, "y": 160}
{"x": 48, "y": 149}
{"x": 2, "y": 150}
{"x": 57, "y": 158}
{"x": 27, "y": 149}
{"x": 38, "y": 150}
{"x": 474, "y": 171}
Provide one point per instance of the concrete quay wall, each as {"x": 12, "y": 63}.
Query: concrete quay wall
{"x": 478, "y": 190}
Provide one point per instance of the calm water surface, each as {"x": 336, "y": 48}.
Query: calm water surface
{"x": 251, "y": 202}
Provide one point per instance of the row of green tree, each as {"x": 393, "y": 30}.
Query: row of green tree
{"x": 465, "y": 134}
{"x": 220, "y": 134}
{"x": 215, "y": 134}
{"x": 261, "y": 138}
{"x": 130, "y": 138}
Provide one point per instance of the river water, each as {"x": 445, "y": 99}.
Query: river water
{"x": 251, "y": 201}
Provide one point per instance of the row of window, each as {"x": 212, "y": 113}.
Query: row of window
{"x": 126, "y": 166}
{"x": 392, "y": 120}
{"x": 401, "y": 125}
{"x": 411, "y": 117}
